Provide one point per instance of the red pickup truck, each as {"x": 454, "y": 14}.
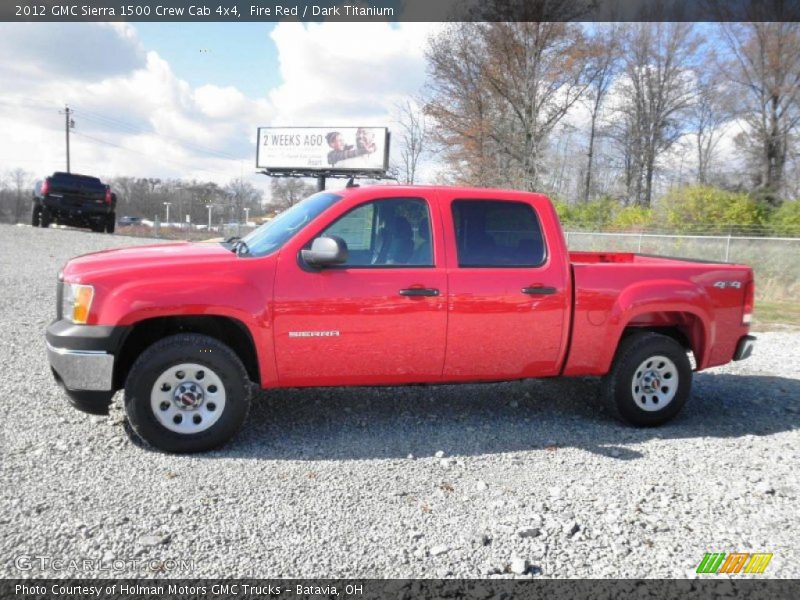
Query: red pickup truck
{"x": 385, "y": 285}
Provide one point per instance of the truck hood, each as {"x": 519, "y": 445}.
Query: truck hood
{"x": 167, "y": 256}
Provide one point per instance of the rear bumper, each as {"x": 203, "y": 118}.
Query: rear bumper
{"x": 59, "y": 208}
{"x": 745, "y": 347}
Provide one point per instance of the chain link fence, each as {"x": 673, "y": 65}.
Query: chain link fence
{"x": 775, "y": 260}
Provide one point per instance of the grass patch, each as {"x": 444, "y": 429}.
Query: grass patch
{"x": 772, "y": 312}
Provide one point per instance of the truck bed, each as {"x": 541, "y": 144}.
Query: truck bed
{"x": 704, "y": 302}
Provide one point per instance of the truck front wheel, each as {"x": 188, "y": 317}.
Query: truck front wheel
{"x": 650, "y": 380}
{"x": 187, "y": 393}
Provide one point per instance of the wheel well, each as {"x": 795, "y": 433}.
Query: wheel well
{"x": 230, "y": 332}
{"x": 684, "y": 328}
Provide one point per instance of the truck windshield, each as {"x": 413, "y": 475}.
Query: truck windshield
{"x": 274, "y": 234}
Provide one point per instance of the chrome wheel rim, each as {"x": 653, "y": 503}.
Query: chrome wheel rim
{"x": 655, "y": 383}
{"x": 188, "y": 398}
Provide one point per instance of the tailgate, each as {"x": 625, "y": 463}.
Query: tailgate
{"x": 69, "y": 196}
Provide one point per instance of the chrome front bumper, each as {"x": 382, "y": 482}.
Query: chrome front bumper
{"x": 90, "y": 370}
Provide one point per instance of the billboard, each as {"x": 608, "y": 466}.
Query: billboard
{"x": 310, "y": 149}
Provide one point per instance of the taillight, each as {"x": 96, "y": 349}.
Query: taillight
{"x": 108, "y": 195}
{"x": 749, "y": 294}
{"x": 45, "y": 187}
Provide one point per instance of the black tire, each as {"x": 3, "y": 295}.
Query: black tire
{"x": 155, "y": 363}
{"x": 37, "y": 216}
{"x": 111, "y": 223}
{"x": 93, "y": 403}
{"x": 641, "y": 408}
{"x": 98, "y": 226}
{"x": 45, "y": 218}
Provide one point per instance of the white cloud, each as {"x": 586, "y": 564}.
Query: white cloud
{"x": 346, "y": 73}
{"x": 134, "y": 116}
{"x": 80, "y": 51}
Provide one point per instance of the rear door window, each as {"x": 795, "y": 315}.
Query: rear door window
{"x": 497, "y": 233}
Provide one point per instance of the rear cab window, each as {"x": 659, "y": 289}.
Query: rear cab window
{"x": 497, "y": 234}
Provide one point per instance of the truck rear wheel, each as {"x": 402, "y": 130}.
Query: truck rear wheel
{"x": 37, "y": 216}
{"x": 187, "y": 393}
{"x": 45, "y": 218}
{"x": 650, "y": 380}
{"x": 111, "y": 222}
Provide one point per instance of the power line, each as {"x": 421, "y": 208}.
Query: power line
{"x": 140, "y": 153}
{"x": 129, "y": 128}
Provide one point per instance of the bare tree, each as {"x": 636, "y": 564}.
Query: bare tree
{"x": 288, "y": 191}
{"x": 498, "y": 90}
{"x": 412, "y": 140}
{"x": 242, "y": 194}
{"x": 21, "y": 181}
{"x": 656, "y": 92}
{"x": 710, "y": 111}
{"x": 603, "y": 64}
{"x": 765, "y": 65}
{"x": 459, "y": 105}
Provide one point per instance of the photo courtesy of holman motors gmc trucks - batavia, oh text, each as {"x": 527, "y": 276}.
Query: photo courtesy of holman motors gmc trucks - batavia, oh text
{"x": 385, "y": 285}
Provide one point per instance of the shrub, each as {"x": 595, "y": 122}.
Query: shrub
{"x": 700, "y": 208}
{"x": 786, "y": 220}
{"x": 633, "y": 218}
{"x": 596, "y": 214}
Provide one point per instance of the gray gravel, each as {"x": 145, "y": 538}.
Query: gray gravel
{"x": 524, "y": 479}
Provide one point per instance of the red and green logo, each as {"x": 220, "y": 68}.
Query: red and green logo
{"x": 736, "y": 562}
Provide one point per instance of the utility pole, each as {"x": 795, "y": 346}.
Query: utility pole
{"x": 69, "y": 123}
{"x": 167, "y": 204}
{"x": 209, "y": 217}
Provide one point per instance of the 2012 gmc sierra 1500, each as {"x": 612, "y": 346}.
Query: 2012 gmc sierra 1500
{"x": 385, "y": 285}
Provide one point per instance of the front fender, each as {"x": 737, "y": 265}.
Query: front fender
{"x": 243, "y": 294}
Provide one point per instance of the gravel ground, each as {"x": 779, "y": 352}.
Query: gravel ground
{"x": 464, "y": 481}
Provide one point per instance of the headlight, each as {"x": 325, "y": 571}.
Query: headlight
{"x": 76, "y": 302}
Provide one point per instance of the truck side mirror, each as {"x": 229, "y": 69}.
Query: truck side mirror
{"x": 326, "y": 251}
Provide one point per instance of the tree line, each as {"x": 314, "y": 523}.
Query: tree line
{"x": 146, "y": 198}
{"x": 620, "y": 111}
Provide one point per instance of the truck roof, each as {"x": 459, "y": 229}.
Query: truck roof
{"x": 481, "y": 191}
{"x": 75, "y": 176}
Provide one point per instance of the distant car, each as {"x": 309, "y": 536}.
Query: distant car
{"x": 77, "y": 200}
{"x": 130, "y": 221}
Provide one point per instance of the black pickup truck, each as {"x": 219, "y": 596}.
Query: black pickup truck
{"x": 77, "y": 200}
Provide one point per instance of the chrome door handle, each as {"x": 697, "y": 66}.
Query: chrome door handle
{"x": 536, "y": 290}
{"x": 419, "y": 292}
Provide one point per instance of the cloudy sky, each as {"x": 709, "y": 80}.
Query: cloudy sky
{"x": 184, "y": 100}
